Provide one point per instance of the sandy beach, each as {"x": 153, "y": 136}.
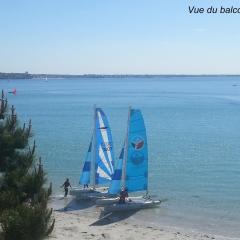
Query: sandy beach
{"x": 88, "y": 222}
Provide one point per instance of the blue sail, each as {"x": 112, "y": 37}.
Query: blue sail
{"x": 117, "y": 176}
{"x": 85, "y": 177}
{"x": 103, "y": 149}
{"x": 137, "y": 153}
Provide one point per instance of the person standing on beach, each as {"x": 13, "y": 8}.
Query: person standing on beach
{"x": 66, "y": 185}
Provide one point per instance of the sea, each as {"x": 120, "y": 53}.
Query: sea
{"x": 193, "y": 130}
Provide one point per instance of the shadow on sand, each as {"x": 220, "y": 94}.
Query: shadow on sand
{"x": 112, "y": 217}
{"x": 74, "y": 205}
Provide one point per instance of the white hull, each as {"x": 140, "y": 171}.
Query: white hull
{"x": 133, "y": 205}
{"x": 109, "y": 201}
{"x": 89, "y": 193}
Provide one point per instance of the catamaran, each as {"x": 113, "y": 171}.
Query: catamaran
{"x": 98, "y": 167}
{"x": 131, "y": 172}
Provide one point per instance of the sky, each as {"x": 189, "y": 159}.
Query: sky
{"x": 118, "y": 37}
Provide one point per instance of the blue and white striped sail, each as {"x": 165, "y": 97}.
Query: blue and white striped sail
{"x": 115, "y": 185}
{"x": 104, "y": 149}
{"x": 137, "y": 153}
{"x": 85, "y": 177}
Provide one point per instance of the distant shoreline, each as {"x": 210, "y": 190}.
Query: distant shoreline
{"x": 27, "y": 75}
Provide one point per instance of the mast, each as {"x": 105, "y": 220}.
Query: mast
{"x": 94, "y": 147}
{"x": 147, "y": 161}
{"x": 126, "y": 151}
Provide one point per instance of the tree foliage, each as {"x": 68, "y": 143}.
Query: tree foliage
{"x": 23, "y": 199}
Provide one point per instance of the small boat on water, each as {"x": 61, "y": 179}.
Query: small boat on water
{"x": 131, "y": 172}
{"x": 14, "y": 91}
{"x": 98, "y": 166}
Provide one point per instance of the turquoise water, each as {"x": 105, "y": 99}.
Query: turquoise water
{"x": 193, "y": 128}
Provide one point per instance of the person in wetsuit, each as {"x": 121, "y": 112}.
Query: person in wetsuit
{"x": 66, "y": 185}
{"x": 123, "y": 195}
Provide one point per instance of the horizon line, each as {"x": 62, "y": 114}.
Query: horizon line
{"x": 124, "y": 74}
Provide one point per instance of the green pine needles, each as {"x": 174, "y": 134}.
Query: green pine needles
{"x": 23, "y": 199}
